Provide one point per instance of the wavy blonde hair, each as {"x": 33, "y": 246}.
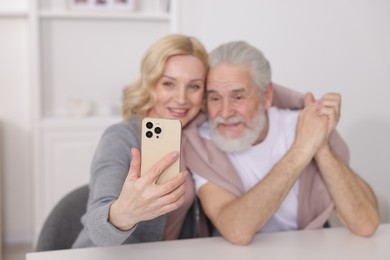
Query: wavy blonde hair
{"x": 139, "y": 96}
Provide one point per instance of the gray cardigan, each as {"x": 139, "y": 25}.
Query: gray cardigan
{"x": 109, "y": 169}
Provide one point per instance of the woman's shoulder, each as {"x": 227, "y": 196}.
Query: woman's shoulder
{"x": 125, "y": 132}
{"x": 131, "y": 126}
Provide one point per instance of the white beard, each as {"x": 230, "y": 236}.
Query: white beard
{"x": 246, "y": 140}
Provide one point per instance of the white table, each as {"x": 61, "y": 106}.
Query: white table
{"x": 332, "y": 243}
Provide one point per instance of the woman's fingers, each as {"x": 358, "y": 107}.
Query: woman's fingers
{"x": 155, "y": 171}
{"x": 141, "y": 199}
{"x": 135, "y": 165}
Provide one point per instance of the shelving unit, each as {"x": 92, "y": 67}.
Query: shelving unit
{"x": 13, "y": 13}
{"x": 13, "y": 21}
{"x": 109, "y": 16}
{"x": 1, "y": 191}
{"x": 108, "y": 46}
{"x": 81, "y": 62}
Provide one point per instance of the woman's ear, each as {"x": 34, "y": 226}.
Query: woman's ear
{"x": 268, "y": 95}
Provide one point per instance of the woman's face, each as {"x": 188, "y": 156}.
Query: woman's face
{"x": 179, "y": 90}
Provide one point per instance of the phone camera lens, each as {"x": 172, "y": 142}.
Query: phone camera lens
{"x": 157, "y": 130}
{"x": 149, "y": 134}
{"x": 149, "y": 125}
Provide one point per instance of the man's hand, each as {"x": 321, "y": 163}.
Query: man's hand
{"x": 331, "y": 106}
{"x": 312, "y": 127}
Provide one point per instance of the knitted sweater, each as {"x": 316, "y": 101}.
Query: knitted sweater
{"x": 109, "y": 169}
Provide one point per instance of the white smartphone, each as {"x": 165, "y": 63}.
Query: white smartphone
{"x": 159, "y": 137}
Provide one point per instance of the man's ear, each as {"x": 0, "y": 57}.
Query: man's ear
{"x": 268, "y": 95}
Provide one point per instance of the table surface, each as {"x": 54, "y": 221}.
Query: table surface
{"x": 330, "y": 243}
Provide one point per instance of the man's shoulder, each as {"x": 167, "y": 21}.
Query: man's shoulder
{"x": 283, "y": 116}
{"x": 192, "y": 129}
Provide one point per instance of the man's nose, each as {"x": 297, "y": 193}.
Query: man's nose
{"x": 227, "y": 109}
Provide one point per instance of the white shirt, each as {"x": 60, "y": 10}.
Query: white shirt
{"x": 254, "y": 164}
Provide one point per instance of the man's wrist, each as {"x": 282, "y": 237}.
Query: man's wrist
{"x": 324, "y": 150}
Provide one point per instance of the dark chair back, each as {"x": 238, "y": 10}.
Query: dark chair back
{"x": 63, "y": 225}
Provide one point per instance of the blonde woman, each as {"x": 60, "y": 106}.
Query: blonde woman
{"x": 124, "y": 207}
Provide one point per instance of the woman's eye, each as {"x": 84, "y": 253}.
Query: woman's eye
{"x": 194, "y": 87}
{"x": 168, "y": 84}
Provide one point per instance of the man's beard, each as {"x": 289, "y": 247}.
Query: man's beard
{"x": 246, "y": 140}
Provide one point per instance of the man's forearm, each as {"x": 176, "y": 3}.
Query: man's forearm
{"x": 354, "y": 200}
{"x": 240, "y": 219}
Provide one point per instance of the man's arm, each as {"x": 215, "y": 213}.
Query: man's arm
{"x": 355, "y": 202}
{"x": 238, "y": 218}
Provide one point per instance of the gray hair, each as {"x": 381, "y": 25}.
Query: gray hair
{"x": 242, "y": 53}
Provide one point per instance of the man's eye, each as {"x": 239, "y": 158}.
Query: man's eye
{"x": 214, "y": 99}
{"x": 239, "y": 98}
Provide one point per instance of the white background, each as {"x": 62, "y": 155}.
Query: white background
{"x": 318, "y": 46}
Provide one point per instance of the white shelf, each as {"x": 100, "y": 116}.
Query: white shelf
{"x": 13, "y": 13}
{"x": 88, "y": 121}
{"x": 100, "y": 45}
{"x": 119, "y": 15}
{"x": 87, "y": 55}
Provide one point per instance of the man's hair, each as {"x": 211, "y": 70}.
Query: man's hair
{"x": 242, "y": 53}
{"x": 139, "y": 96}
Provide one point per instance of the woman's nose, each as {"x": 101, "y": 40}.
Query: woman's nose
{"x": 181, "y": 95}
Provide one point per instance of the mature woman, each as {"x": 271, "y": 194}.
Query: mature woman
{"x": 124, "y": 207}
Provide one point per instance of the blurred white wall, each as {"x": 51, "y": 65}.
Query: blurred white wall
{"x": 319, "y": 46}
{"x": 15, "y": 115}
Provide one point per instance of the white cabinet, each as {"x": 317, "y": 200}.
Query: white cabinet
{"x": 89, "y": 55}
{"x": 1, "y": 191}
{"x": 65, "y": 148}
{"x": 82, "y": 59}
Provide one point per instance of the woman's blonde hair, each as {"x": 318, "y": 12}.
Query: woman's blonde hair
{"x": 139, "y": 96}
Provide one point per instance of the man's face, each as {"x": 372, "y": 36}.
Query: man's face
{"x": 236, "y": 108}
